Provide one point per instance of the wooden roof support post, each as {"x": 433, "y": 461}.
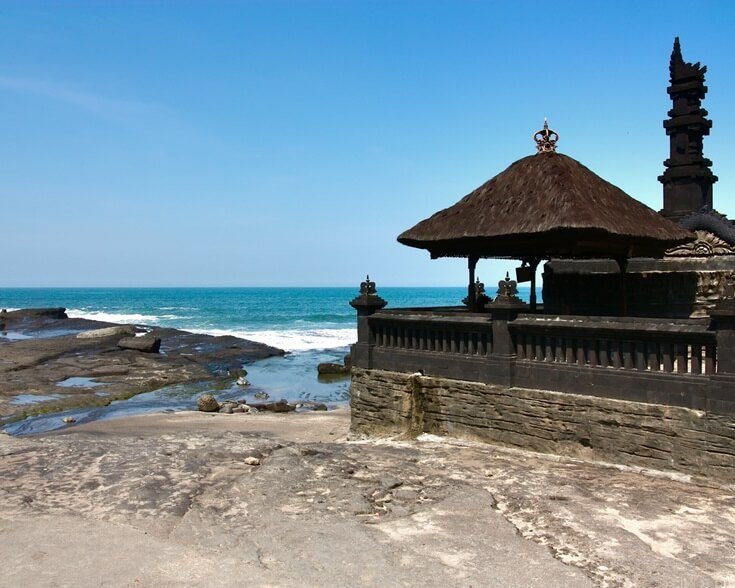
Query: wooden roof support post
{"x": 471, "y": 291}
{"x": 623, "y": 265}
{"x": 533, "y": 262}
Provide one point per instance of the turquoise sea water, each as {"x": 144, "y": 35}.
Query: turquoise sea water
{"x": 294, "y": 319}
{"x": 312, "y": 324}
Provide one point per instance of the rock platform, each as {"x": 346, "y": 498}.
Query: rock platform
{"x": 195, "y": 499}
{"x": 40, "y": 349}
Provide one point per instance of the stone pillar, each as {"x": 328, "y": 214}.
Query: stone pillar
{"x": 366, "y": 303}
{"x": 721, "y": 396}
{"x": 504, "y": 309}
{"x": 723, "y": 322}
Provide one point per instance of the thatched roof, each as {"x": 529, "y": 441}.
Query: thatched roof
{"x": 546, "y": 205}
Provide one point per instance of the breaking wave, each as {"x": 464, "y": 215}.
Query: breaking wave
{"x": 292, "y": 339}
{"x": 125, "y": 318}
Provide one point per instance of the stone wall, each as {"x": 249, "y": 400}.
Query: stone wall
{"x": 618, "y": 431}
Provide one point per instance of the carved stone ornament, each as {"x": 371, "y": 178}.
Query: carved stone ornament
{"x": 367, "y": 301}
{"x": 706, "y": 245}
{"x": 481, "y": 298}
{"x": 368, "y": 286}
{"x": 546, "y": 139}
{"x": 712, "y": 289}
{"x": 507, "y": 287}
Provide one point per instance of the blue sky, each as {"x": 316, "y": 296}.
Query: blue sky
{"x": 289, "y": 143}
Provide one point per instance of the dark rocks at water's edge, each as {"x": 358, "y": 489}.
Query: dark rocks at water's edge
{"x": 145, "y": 344}
{"x": 336, "y": 369}
{"x": 208, "y": 403}
{"x": 74, "y": 363}
{"x": 122, "y": 331}
{"x": 31, "y": 314}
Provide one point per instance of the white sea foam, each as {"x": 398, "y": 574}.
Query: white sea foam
{"x": 293, "y": 340}
{"x": 114, "y": 317}
{"x": 287, "y": 339}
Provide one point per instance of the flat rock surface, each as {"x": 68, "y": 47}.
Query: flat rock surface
{"x": 51, "y": 352}
{"x": 179, "y": 500}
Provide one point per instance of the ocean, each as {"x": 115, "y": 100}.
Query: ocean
{"x": 312, "y": 324}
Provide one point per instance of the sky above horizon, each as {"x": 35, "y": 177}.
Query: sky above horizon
{"x": 288, "y": 143}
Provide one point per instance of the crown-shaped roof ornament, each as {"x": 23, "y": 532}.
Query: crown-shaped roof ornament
{"x": 681, "y": 71}
{"x": 546, "y": 139}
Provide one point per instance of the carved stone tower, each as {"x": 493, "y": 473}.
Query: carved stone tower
{"x": 688, "y": 179}
{"x": 692, "y": 279}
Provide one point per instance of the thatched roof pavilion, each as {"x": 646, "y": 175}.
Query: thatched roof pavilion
{"x": 542, "y": 206}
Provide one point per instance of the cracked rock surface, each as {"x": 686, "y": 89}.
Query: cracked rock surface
{"x": 194, "y": 499}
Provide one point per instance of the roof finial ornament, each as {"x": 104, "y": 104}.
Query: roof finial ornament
{"x": 546, "y": 139}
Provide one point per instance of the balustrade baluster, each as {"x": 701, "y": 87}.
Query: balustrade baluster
{"x": 667, "y": 356}
{"x": 569, "y": 355}
{"x": 577, "y": 348}
{"x": 549, "y": 346}
{"x": 590, "y": 347}
{"x": 627, "y": 350}
{"x": 581, "y": 345}
{"x": 709, "y": 360}
{"x": 654, "y": 360}
{"x": 682, "y": 352}
{"x": 638, "y": 349}
{"x": 696, "y": 358}
{"x": 616, "y": 355}
{"x": 559, "y": 349}
{"x": 604, "y": 354}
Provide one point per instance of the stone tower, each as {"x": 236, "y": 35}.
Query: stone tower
{"x": 688, "y": 178}
{"x": 691, "y": 279}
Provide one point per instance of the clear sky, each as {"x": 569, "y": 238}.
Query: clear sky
{"x": 289, "y": 143}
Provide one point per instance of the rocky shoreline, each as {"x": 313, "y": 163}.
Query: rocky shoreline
{"x": 50, "y": 362}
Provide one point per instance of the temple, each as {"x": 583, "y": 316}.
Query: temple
{"x": 690, "y": 279}
{"x": 631, "y": 356}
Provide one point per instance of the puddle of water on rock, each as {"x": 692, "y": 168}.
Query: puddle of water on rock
{"x": 79, "y": 382}
{"x": 42, "y": 334}
{"x": 169, "y": 399}
{"x": 15, "y": 336}
{"x": 101, "y": 393}
{"x": 32, "y": 398}
{"x": 50, "y": 333}
{"x": 294, "y": 377}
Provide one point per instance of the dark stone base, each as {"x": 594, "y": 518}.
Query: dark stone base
{"x": 624, "y": 432}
